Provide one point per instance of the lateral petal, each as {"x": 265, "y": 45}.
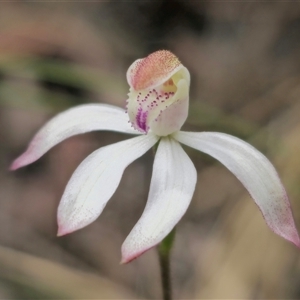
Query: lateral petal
{"x": 255, "y": 172}
{"x": 80, "y": 119}
{"x": 95, "y": 181}
{"x": 172, "y": 186}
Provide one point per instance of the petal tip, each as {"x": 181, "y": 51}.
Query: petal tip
{"x": 19, "y": 162}
{"x": 129, "y": 258}
{"x": 123, "y": 261}
{"x": 129, "y": 253}
{"x": 23, "y": 160}
{"x": 59, "y": 234}
{"x": 287, "y": 231}
{"x": 296, "y": 241}
{"x": 14, "y": 165}
{"x": 62, "y": 231}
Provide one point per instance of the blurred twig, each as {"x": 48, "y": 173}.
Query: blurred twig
{"x": 54, "y": 281}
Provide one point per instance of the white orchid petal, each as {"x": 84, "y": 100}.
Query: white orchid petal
{"x": 74, "y": 121}
{"x": 95, "y": 181}
{"x": 255, "y": 172}
{"x": 172, "y": 187}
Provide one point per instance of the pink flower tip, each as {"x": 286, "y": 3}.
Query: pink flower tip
{"x": 19, "y": 162}
{"x": 23, "y": 160}
{"x": 126, "y": 260}
{"x": 62, "y": 231}
{"x": 123, "y": 261}
{"x": 129, "y": 257}
{"x": 296, "y": 240}
{"x": 15, "y": 165}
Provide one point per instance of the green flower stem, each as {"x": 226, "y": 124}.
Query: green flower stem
{"x": 164, "y": 250}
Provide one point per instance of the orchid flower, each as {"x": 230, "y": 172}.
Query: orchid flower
{"x": 157, "y": 107}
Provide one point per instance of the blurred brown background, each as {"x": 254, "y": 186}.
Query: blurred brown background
{"x": 245, "y": 66}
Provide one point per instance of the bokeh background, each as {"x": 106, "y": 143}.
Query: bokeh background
{"x": 244, "y": 58}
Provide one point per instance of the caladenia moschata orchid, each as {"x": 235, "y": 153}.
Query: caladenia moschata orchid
{"x": 157, "y": 107}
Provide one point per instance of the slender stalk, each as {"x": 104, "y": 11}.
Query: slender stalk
{"x": 164, "y": 250}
